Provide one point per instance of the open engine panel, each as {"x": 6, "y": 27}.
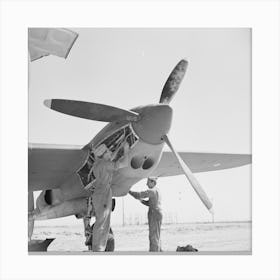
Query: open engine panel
{"x": 112, "y": 142}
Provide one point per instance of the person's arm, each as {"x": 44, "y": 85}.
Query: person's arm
{"x": 145, "y": 202}
{"x": 114, "y": 154}
{"x": 139, "y": 195}
{"x": 123, "y": 162}
{"x": 134, "y": 194}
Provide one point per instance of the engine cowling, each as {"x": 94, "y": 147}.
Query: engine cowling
{"x": 48, "y": 208}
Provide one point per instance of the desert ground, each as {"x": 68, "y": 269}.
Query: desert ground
{"x": 222, "y": 237}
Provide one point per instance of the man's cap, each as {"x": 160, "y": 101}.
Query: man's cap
{"x": 100, "y": 150}
{"x": 152, "y": 179}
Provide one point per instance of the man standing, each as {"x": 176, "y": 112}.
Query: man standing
{"x": 110, "y": 246}
{"x": 103, "y": 169}
{"x": 154, "y": 213}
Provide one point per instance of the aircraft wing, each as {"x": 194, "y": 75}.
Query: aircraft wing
{"x": 199, "y": 162}
{"x": 46, "y": 41}
{"x": 50, "y": 165}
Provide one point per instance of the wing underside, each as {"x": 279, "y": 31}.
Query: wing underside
{"x": 50, "y": 165}
{"x": 199, "y": 162}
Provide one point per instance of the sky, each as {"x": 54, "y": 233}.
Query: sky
{"x": 128, "y": 67}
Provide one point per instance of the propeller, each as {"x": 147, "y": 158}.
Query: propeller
{"x": 169, "y": 90}
{"x": 105, "y": 113}
{"x": 173, "y": 82}
{"x": 193, "y": 181}
{"x": 91, "y": 111}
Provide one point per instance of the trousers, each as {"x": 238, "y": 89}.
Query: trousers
{"x": 155, "y": 220}
{"x": 102, "y": 203}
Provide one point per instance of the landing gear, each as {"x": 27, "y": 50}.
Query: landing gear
{"x": 30, "y": 219}
{"x": 35, "y": 245}
{"x": 110, "y": 247}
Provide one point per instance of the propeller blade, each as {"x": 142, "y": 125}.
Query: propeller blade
{"x": 173, "y": 82}
{"x": 91, "y": 111}
{"x": 193, "y": 181}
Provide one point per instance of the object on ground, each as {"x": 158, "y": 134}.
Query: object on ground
{"x": 39, "y": 245}
{"x": 188, "y": 248}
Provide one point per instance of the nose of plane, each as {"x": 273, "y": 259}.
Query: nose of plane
{"x": 155, "y": 121}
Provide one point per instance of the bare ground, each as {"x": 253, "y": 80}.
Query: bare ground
{"x": 206, "y": 237}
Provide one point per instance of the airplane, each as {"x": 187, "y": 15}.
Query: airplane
{"x": 60, "y": 172}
